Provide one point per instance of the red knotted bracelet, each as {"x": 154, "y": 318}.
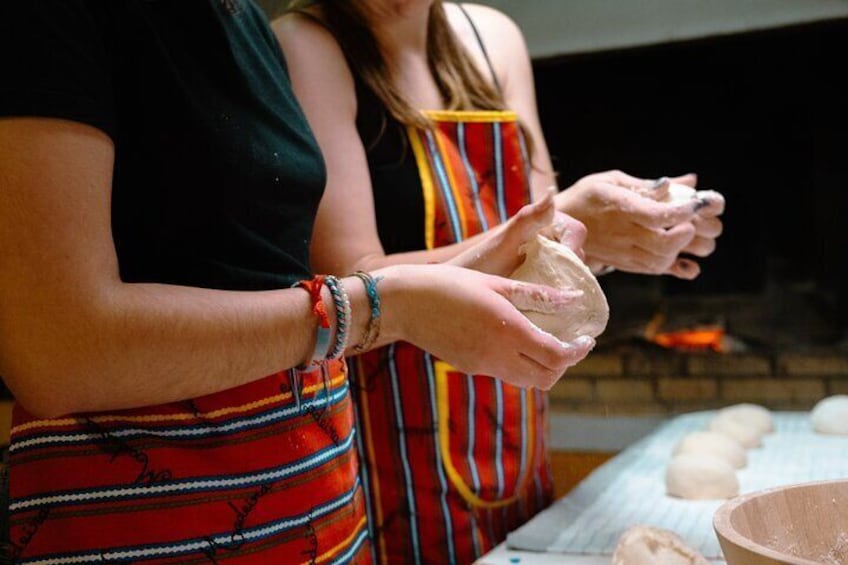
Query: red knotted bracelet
{"x": 323, "y": 333}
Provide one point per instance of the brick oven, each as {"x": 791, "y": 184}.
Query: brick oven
{"x": 760, "y": 117}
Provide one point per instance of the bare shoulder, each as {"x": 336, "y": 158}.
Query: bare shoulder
{"x": 501, "y": 36}
{"x": 303, "y": 36}
{"x": 317, "y": 65}
{"x": 494, "y": 26}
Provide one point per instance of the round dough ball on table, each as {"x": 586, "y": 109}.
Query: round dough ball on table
{"x": 751, "y": 415}
{"x": 550, "y": 263}
{"x": 648, "y": 545}
{"x": 700, "y": 477}
{"x": 830, "y": 415}
{"x": 727, "y": 424}
{"x": 713, "y": 443}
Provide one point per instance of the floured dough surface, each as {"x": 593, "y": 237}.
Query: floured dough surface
{"x": 700, "y": 477}
{"x": 676, "y": 192}
{"x": 713, "y": 443}
{"x": 648, "y": 545}
{"x": 728, "y": 424}
{"x": 550, "y": 263}
{"x": 680, "y": 192}
{"x": 830, "y": 415}
{"x": 752, "y": 416}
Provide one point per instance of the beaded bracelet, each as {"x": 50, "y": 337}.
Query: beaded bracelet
{"x": 373, "y": 329}
{"x": 343, "y": 315}
{"x": 323, "y": 333}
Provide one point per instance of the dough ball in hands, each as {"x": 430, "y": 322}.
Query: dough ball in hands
{"x": 700, "y": 477}
{"x": 648, "y": 545}
{"x": 663, "y": 190}
{"x": 729, "y": 425}
{"x": 550, "y": 263}
{"x": 713, "y": 443}
{"x": 751, "y": 415}
{"x": 680, "y": 192}
{"x": 830, "y": 415}
{"x": 674, "y": 192}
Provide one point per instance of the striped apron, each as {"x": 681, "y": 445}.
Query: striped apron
{"x": 263, "y": 473}
{"x": 452, "y": 461}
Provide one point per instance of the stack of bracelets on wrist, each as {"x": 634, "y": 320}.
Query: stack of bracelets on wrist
{"x": 323, "y": 333}
{"x": 373, "y": 329}
{"x": 343, "y": 315}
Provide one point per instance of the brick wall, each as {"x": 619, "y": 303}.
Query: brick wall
{"x": 639, "y": 382}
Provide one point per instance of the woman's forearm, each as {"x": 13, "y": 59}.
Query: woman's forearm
{"x": 438, "y": 255}
{"x": 132, "y": 345}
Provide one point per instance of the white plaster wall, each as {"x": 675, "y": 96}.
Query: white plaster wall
{"x": 559, "y": 27}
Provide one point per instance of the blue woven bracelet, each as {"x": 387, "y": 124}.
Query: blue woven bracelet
{"x": 373, "y": 329}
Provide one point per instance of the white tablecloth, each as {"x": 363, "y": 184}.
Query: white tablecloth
{"x": 630, "y": 489}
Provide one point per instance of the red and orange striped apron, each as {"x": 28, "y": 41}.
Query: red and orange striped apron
{"x": 452, "y": 461}
{"x": 263, "y": 473}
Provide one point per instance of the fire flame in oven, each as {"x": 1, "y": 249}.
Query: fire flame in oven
{"x": 698, "y": 338}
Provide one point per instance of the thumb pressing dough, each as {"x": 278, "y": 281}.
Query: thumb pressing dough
{"x": 830, "y": 415}
{"x": 550, "y": 263}
{"x": 700, "y": 477}
{"x": 712, "y": 443}
{"x": 647, "y": 545}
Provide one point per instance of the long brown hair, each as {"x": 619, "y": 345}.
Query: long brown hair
{"x": 460, "y": 83}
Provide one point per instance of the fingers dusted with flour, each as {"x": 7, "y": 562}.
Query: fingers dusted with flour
{"x": 480, "y": 330}
{"x": 545, "y": 299}
{"x": 643, "y": 225}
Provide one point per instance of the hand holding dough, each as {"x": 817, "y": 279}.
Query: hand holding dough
{"x": 550, "y": 263}
{"x": 665, "y": 190}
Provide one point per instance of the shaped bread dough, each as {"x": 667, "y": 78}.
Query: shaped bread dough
{"x": 830, "y": 415}
{"x": 727, "y": 424}
{"x": 553, "y": 264}
{"x": 676, "y": 192}
{"x": 647, "y": 545}
{"x": 713, "y": 443}
{"x": 751, "y": 415}
{"x": 700, "y": 477}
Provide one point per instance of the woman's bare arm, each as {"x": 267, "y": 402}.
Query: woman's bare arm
{"x": 346, "y": 227}
{"x": 75, "y": 338}
{"x": 625, "y": 230}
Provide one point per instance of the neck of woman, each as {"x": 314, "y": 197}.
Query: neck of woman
{"x": 401, "y": 29}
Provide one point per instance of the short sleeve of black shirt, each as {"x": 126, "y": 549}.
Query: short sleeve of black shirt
{"x": 217, "y": 175}
{"x": 53, "y": 63}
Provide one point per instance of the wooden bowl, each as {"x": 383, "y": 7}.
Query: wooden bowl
{"x": 802, "y": 524}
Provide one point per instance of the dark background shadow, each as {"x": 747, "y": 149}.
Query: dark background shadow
{"x": 761, "y": 118}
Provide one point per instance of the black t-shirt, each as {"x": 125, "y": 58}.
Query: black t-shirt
{"x": 217, "y": 175}
{"x": 395, "y": 179}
